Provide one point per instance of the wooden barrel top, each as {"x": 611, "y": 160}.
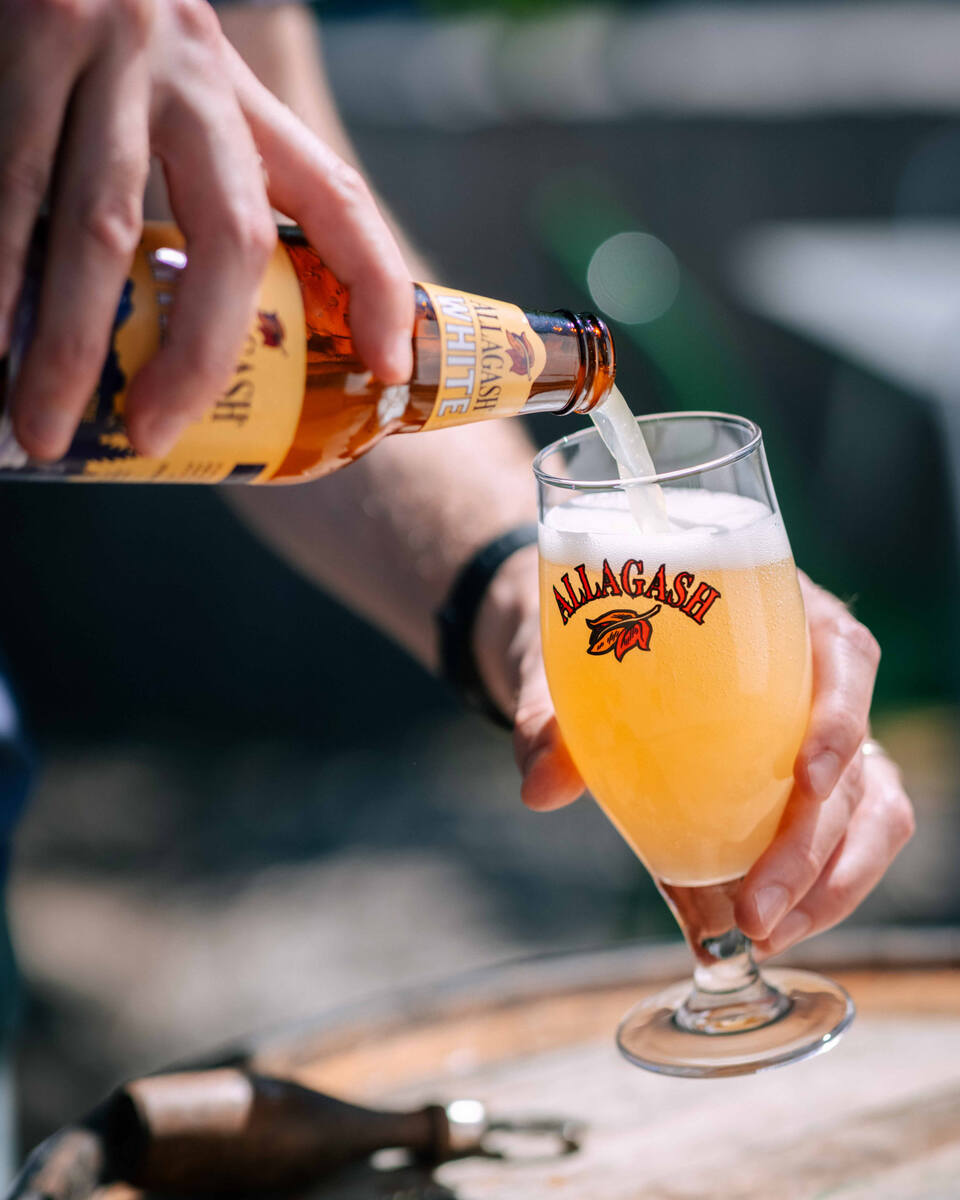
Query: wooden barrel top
{"x": 877, "y": 1117}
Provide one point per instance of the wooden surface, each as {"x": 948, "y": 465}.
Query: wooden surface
{"x": 877, "y": 1117}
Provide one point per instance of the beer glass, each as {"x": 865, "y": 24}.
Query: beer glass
{"x": 679, "y": 666}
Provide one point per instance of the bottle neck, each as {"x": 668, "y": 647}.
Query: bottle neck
{"x": 477, "y": 359}
{"x": 581, "y": 363}
{"x": 599, "y": 363}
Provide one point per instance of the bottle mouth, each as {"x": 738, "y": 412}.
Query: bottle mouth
{"x": 597, "y": 363}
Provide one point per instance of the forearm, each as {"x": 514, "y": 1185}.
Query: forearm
{"x": 388, "y": 535}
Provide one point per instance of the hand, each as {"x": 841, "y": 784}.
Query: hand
{"x": 847, "y": 817}
{"x": 89, "y": 90}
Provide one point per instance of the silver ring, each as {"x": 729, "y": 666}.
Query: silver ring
{"x": 872, "y": 747}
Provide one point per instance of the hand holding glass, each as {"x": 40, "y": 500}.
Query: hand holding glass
{"x": 678, "y": 660}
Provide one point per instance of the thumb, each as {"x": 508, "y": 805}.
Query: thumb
{"x": 550, "y": 779}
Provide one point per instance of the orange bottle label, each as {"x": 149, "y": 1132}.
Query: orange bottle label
{"x": 490, "y": 358}
{"x": 247, "y": 433}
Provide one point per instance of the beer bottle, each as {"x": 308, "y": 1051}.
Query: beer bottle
{"x": 300, "y": 403}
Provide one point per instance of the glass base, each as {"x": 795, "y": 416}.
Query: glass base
{"x": 793, "y": 1015}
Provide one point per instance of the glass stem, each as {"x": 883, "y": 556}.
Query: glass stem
{"x": 725, "y": 963}
{"x": 729, "y": 994}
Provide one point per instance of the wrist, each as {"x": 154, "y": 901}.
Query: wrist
{"x": 501, "y": 634}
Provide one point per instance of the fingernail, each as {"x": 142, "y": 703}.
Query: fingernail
{"x": 792, "y": 928}
{"x": 161, "y": 434}
{"x": 771, "y": 903}
{"x": 823, "y": 773}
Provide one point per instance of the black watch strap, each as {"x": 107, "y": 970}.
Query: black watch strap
{"x": 457, "y": 618}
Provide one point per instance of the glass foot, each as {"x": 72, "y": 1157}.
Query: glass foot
{"x": 790, "y": 1016}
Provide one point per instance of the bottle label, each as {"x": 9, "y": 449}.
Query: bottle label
{"x": 244, "y": 437}
{"x": 490, "y": 358}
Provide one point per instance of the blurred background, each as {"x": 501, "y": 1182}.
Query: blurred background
{"x": 249, "y": 810}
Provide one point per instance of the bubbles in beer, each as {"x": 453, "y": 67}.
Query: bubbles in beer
{"x": 704, "y": 529}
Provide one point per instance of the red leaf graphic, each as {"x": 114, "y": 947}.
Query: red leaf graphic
{"x": 637, "y": 634}
{"x": 614, "y": 617}
{"x": 621, "y": 630}
{"x": 605, "y": 641}
{"x": 271, "y": 329}
{"x": 521, "y": 354}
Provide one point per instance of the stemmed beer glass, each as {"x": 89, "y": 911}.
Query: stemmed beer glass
{"x": 679, "y": 665}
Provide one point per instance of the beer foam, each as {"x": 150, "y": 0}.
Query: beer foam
{"x": 709, "y": 529}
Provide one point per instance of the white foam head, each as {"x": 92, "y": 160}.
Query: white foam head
{"x": 709, "y": 529}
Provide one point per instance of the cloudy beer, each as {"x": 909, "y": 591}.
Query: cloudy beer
{"x": 676, "y": 650}
{"x": 679, "y": 666}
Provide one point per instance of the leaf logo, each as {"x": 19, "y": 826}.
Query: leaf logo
{"x": 521, "y": 353}
{"x": 621, "y": 630}
{"x": 271, "y": 330}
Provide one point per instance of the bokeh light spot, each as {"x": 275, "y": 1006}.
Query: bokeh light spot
{"x": 633, "y": 278}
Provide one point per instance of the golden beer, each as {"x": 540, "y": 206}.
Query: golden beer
{"x": 679, "y": 666}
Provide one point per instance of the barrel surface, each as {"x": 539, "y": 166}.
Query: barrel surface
{"x": 877, "y": 1117}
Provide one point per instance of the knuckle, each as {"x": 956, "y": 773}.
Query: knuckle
{"x": 865, "y": 643}
{"x": 251, "y": 236}
{"x": 350, "y": 189}
{"x": 859, "y": 637}
{"x": 136, "y": 17}
{"x": 113, "y": 221}
{"x": 846, "y": 730}
{"x": 801, "y": 867}
{"x": 261, "y": 240}
{"x": 842, "y": 895}
{"x": 196, "y": 20}
{"x": 899, "y": 819}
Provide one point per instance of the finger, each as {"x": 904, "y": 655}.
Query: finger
{"x": 49, "y": 46}
{"x": 340, "y": 218}
{"x": 94, "y": 230}
{"x": 879, "y": 829}
{"x": 808, "y": 835}
{"x": 217, "y": 194}
{"x": 550, "y": 778}
{"x": 845, "y": 660}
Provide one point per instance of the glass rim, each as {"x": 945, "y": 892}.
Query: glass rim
{"x": 752, "y": 429}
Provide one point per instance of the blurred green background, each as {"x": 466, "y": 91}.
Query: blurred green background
{"x": 249, "y": 810}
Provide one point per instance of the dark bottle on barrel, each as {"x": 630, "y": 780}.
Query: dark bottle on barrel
{"x": 300, "y": 403}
